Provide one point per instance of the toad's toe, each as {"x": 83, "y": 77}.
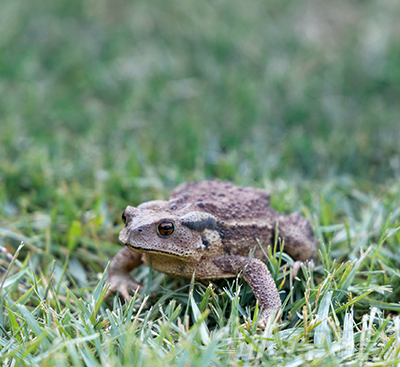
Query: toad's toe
{"x": 123, "y": 284}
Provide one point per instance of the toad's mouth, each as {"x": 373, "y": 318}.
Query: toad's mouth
{"x": 139, "y": 249}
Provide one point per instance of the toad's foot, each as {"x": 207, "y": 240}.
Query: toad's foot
{"x": 263, "y": 320}
{"x": 297, "y": 265}
{"x": 123, "y": 283}
{"x": 118, "y": 276}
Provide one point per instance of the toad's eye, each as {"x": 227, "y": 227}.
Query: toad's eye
{"x": 124, "y": 217}
{"x": 165, "y": 229}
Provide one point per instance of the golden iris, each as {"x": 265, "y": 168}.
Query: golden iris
{"x": 165, "y": 228}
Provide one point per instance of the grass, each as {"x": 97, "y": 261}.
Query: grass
{"x": 108, "y": 104}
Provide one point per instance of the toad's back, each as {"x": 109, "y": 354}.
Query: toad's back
{"x": 246, "y": 218}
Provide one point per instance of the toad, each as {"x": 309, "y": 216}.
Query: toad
{"x": 210, "y": 228}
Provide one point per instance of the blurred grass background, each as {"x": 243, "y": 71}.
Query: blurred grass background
{"x": 119, "y": 93}
{"x": 109, "y": 103}
{"x": 105, "y": 104}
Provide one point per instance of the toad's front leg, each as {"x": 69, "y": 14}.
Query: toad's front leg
{"x": 118, "y": 274}
{"x": 257, "y": 275}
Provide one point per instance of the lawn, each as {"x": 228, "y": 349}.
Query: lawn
{"x": 105, "y": 104}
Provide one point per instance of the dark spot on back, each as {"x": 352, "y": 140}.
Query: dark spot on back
{"x": 224, "y": 233}
{"x": 205, "y": 242}
{"x": 200, "y": 225}
{"x": 227, "y": 249}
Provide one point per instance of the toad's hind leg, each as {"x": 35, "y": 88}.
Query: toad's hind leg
{"x": 257, "y": 275}
{"x": 299, "y": 242}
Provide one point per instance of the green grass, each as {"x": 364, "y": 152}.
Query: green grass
{"x": 105, "y": 104}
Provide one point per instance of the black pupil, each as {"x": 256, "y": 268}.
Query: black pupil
{"x": 165, "y": 228}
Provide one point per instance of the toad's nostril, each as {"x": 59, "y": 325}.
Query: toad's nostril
{"x": 139, "y": 230}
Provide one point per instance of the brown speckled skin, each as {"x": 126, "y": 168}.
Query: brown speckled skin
{"x": 217, "y": 225}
